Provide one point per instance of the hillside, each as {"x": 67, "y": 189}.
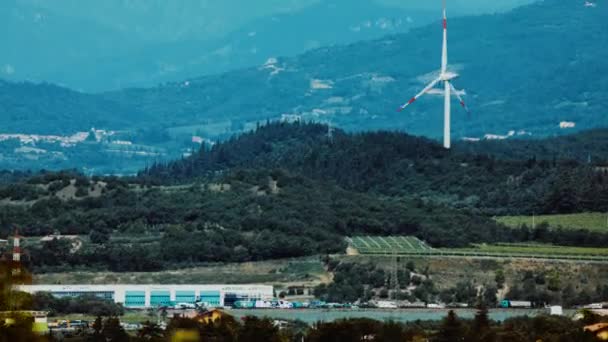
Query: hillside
{"x": 398, "y": 164}
{"x": 589, "y": 146}
{"x": 241, "y": 216}
{"x": 508, "y": 64}
{"x": 51, "y": 109}
{"x": 289, "y": 190}
{"x": 525, "y": 71}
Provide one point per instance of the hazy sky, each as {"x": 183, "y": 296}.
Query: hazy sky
{"x": 171, "y": 19}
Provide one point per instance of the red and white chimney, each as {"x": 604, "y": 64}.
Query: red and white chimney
{"x": 16, "y": 254}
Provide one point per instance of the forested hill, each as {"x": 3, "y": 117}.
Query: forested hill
{"x": 586, "y": 147}
{"x": 287, "y": 190}
{"x": 50, "y": 109}
{"x": 392, "y": 163}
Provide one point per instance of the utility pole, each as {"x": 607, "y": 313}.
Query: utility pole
{"x": 394, "y": 284}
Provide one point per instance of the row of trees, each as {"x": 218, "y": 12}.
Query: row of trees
{"x": 88, "y": 305}
{"x": 252, "y": 329}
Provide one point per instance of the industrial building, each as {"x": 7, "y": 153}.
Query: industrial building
{"x": 145, "y": 296}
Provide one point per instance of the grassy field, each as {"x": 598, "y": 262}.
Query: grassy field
{"x": 308, "y": 270}
{"x": 591, "y": 221}
{"x": 539, "y": 249}
{"x": 411, "y": 246}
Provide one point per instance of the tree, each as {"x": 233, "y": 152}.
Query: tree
{"x": 489, "y": 297}
{"x": 97, "y": 329}
{"x": 568, "y": 296}
{"x": 481, "y": 321}
{"x": 500, "y": 279}
{"x": 451, "y": 329}
{"x": 99, "y": 237}
{"x": 256, "y": 329}
{"x": 391, "y": 331}
{"x": 481, "y": 325}
{"x": 150, "y": 332}
{"x": 554, "y": 283}
{"x": 410, "y": 266}
{"x": 113, "y": 331}
{"x": 163, "y": 313}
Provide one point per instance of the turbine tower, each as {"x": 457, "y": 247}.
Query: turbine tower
{"x": 445, "y": 76}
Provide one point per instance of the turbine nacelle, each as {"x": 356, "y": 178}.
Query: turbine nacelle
{"x": 436, "y": 91}
{"x": 448, "y": 75}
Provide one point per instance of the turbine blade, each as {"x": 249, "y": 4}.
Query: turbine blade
{"x": 455, "y": 92}
{"x": 444, "y": 50}
{"x": 427, "y": 88}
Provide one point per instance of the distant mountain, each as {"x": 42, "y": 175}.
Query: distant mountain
{"x": 323, "y": 24}
{"x": 526, "y": 72}
{"x": 42, "y": 45}
{"x": 50, "y": 109}
{"x": 100, "y": 45}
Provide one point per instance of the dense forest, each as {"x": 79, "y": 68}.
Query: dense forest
{"x": 536, "y": 177}
{"x": 245, "y": 215}
{"x": 587, "y": 147}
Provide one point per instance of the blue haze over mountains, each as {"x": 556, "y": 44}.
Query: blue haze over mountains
{"x": 96, "y": 45}
{"x": 525, "y": 70}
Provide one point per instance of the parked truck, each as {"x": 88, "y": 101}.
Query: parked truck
{"x": 515, "y": 304}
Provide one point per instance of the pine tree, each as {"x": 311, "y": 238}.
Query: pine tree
{"x": 451, "y": 329}
{"x": 481, "y": 321}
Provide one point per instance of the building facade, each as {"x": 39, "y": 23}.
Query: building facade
{"x": 145, "y": 296}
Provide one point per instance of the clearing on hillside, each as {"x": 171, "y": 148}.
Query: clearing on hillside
{"x": 590, "y": 221}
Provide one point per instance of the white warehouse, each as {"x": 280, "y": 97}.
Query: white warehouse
{"x": 145, "y": 296}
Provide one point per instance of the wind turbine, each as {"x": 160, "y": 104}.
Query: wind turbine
{"x": 445, "y": 76}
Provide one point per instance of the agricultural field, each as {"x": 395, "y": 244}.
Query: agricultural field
{"x": 408, "y": 245}
{"x": 537, "y": 250}
{"x": 590, "y": 221}
{"x": 388, "y": 245}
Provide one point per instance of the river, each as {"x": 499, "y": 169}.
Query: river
{"x": 405, "y": 315}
